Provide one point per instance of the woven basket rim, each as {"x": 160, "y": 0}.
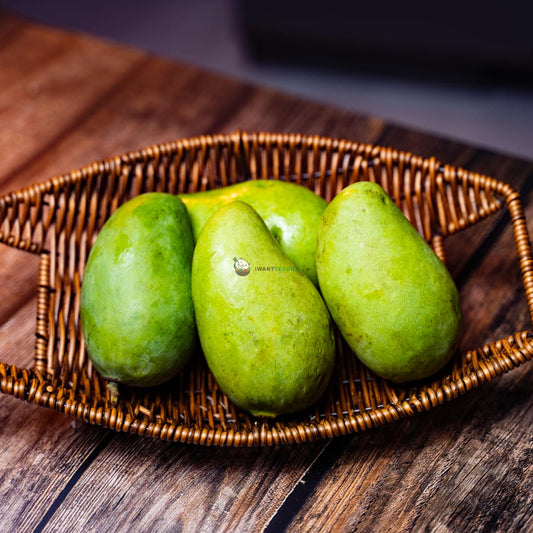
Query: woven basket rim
{"x": 32, "y": 385}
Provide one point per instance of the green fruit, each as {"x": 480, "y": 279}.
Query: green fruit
{"x": 265, "y": 331}
{"x": 393, "y": 299}
{"x": 136, "y": 303}
{"x": 291, "y": 212}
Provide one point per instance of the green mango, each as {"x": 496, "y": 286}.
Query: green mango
{"x": 265, "y": 330}
{"x": 393, "y": 299}
{"x": 137, "y": 314}
{"x": 291, "y": 212}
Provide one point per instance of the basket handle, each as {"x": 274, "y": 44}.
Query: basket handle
{"x": 24, "y": 220}
{"x": 523, "y": 243}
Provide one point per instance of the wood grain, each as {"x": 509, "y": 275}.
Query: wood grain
{"x": 191, "y": 490}
{"x": 17, "y": 335}
{"x": 41, "y": 452}
{"x": 36, "y": 457}
{"x": 153, "y": 106}
{"x": 37, "y": 107}
{"x": 68, "y": 100}
{"x": 18, "y": 280}
{"x": 455, "y": 469}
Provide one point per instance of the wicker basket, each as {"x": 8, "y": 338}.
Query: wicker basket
{"x": 60, "y": 219}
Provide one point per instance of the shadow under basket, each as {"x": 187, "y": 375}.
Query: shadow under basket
{"x": 59, "y": 220}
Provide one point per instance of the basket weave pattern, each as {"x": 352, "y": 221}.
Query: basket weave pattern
{"x": 60, "y": 219}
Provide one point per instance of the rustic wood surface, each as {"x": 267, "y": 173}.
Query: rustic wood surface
{"x": 67, "y": 100}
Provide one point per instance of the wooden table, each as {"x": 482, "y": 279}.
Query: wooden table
{"x": 66, "y": 100}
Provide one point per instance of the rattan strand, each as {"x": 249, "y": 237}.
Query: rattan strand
{"x": 59, "y": 220}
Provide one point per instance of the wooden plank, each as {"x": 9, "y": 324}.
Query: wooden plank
{"x": 461, "y": 467}
{"x": 42, "y": 104}
{"x": 138, "y": 116}
{"x": 18, "y": 280}
{"x": 271, "y": 111}
{"x": 35, "y": 463}
{"x": 168, "y": 487}
{"x": 160, "y": 103}
{"x": 425, "y": 145}
{"x": 464, "y": 473}
{"x": 41, "y": 452}
{"x": 25, "y": 48}
{"x": 17, "y": 335}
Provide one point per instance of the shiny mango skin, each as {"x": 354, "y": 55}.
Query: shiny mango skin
{"x": 136, "y": 302}
{"x": 291, "y": 212}
{"x": 267, "y": 336}
{"x": 392, "y": 298}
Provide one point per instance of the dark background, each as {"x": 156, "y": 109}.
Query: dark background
{"x": 455, "y": 69}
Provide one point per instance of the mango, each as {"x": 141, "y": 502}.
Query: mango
{"x": 392, "y": 298}
{"x": 137, "y": 313}
{"x": 264, "y": 329}
{"x": 291, "y": 212}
